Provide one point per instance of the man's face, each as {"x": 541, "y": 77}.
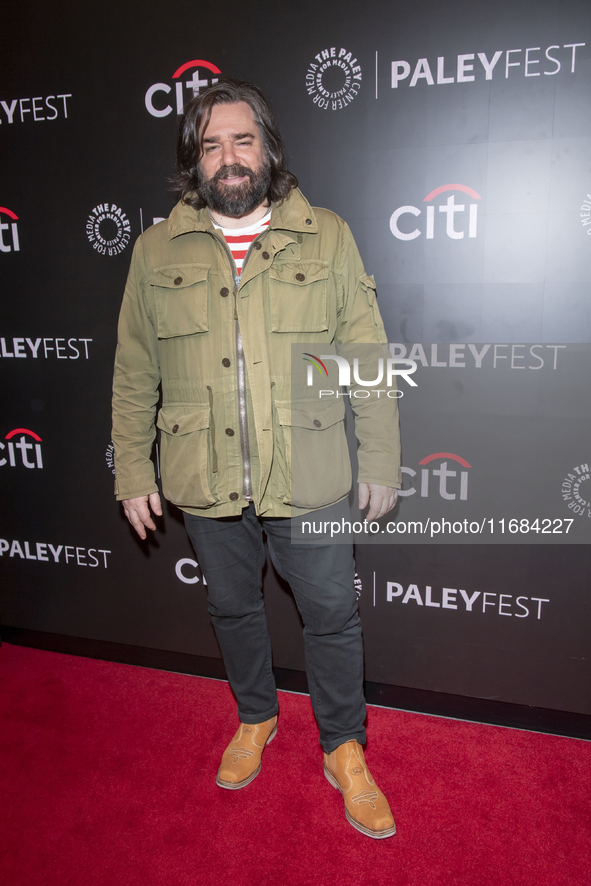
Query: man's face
{"x": 233, "y": 173}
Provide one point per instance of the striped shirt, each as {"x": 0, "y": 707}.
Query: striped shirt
{"x": 239, "y": 239}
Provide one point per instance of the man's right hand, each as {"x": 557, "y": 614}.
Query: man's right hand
{"x": 138, "y": 512}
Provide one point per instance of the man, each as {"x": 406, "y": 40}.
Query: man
{"x": 243, "y": 268}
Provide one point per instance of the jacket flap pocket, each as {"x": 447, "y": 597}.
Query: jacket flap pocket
{"x": 181, "y": 299}
{"x": 315, "y": 416}
{"x": 177, "y": 421}
{"x": 300, "y": 273}
{"x": 298, "y": 296}
{"x": 179, "y": 276}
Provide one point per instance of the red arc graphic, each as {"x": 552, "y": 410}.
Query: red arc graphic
{"x": 467, "y": 190}
{"x": 197, "y": 63}
{"x": 458, "y": 458}
{"x": 23, "y": 431}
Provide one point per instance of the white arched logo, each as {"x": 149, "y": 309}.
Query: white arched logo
{"x": 450, "y": 209}
{"x": 184, "y": 571}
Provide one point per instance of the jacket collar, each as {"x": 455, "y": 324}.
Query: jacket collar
{"x": 294, "y": 214}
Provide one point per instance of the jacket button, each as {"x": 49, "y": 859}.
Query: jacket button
{"x": 300, "y": 277}
{"x": 175, "y": 429}
{"x": 225, "y": 362}
{"x": 317, "y": 424}
{"x": 234, "y": 496}
{"x": 178, "y": 281}
{"x": 308, "y": 221}
{"x": 224, "y": 291}
{"x": 229, "y": 432}
{"x": 257, "y": 245}
{"x": 265, "y": 255}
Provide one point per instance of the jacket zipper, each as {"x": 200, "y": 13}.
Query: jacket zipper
{"x": 241, "y": 376}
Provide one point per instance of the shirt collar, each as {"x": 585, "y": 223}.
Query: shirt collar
{"x": 293, "y": 214}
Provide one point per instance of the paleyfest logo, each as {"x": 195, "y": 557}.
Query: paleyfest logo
{"x": 450, "y": 209}
{"x": 108, "y": 229}
{"x": 16, "y": 109}
{"x": 532, "y": 61}
{"x": 203, "y": 74}
{"x": 10, "y": 242}
{"x": 333, "y": 79}
{"x": 385, "y": 374}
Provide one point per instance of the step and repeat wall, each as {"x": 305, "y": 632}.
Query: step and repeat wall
{"x": 456, "y": 142}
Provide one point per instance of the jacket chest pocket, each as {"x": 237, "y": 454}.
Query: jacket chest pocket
{"x": 181, "y": 296}
{"x": 298, "y": 296}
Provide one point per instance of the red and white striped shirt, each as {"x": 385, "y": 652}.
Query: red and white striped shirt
{"x": 239, "y": 239}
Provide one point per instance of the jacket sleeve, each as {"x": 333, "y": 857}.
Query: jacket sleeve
{"x": 135, "y": 388}
{"x": 360, "y": 335}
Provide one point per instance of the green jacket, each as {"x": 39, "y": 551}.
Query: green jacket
{"x": 303, "y": 283}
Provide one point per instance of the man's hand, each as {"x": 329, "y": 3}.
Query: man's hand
{"x": 381, "y": 499}
{"x": 138, "y": 512}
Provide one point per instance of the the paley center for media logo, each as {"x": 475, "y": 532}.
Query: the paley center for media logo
{"x": 585, "y": 214}
{"x": 108, "y": 229}
{"x": 187, "y": 81}
{"x": 385, "y": 371}
{"x": 576, "y": 490}
{"x": 333, "y": 78}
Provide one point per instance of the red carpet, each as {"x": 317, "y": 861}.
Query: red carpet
{"x": 107, "y": 778}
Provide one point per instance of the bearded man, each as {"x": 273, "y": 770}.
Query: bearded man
{"x": 216, "y": 295}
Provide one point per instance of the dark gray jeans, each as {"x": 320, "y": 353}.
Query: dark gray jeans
{"x": 231, "y": 555}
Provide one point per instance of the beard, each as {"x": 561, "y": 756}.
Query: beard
{"x": 235, "y": 201}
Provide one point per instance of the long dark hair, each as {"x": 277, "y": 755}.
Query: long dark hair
{"x": 194, "y": 122}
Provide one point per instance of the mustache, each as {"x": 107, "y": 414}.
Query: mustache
{"x": 227, "y": 171}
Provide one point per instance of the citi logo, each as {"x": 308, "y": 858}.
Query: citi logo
{"x": 188, "y": 578}
{"x": 10, "y": 242}
{"x": 203, "y": 74}
{"x": 24, "y": 447}
{"x": 439, "y": 478}
{"x": 450, "y": 209}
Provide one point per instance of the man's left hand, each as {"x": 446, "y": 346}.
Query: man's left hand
{"x": 380, "y": 498}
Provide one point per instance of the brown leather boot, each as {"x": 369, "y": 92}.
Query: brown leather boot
{"x": 366, "y": 807}
{"x": 241, "y": 762}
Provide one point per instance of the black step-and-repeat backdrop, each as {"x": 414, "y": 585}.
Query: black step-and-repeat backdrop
{"x": 455, "y": 140}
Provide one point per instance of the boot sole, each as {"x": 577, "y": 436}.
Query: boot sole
{"x": 375, "y": 835}
{"x": 235, "y": 786}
